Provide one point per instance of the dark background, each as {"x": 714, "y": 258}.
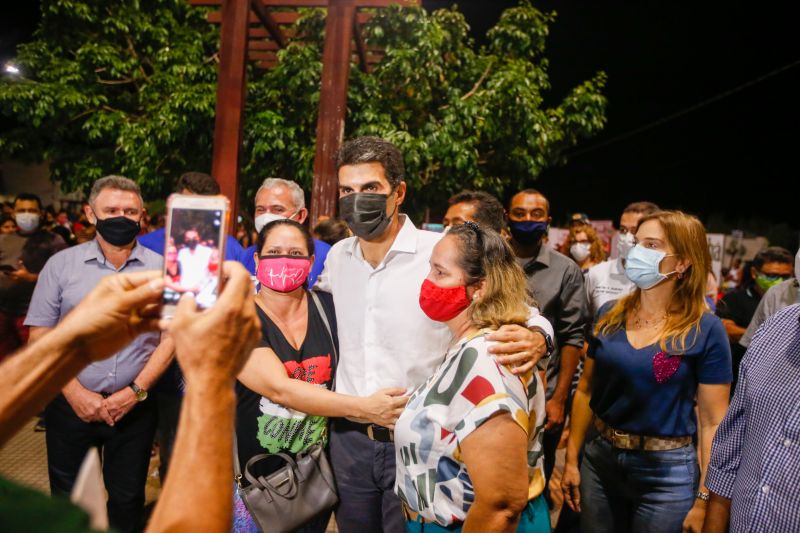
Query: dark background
{"x": 693, "y": 123}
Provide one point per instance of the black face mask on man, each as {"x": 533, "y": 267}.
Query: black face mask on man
{"x": 365, "y": 214}
{"x": 117, "y": 231}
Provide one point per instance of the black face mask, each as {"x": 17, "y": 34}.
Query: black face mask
{"x": 118, "y": 231}
{"x": 365, "y": 213}
{"x": 192, "y": 244}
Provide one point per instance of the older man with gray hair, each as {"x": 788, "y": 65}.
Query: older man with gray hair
{"x": 276, "y": 199}
{"x": 106, "y": 405}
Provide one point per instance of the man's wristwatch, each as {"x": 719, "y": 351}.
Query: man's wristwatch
{"x": 141, "y": 394}
{"x": 701, "y": 495}
{"x": 548, "y": 341}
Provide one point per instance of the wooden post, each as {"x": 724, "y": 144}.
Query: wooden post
{"x": 332, "y": 106}
{"x": 231, "y": 90}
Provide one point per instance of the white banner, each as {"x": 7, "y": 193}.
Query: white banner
{"x": 716, "y": 247}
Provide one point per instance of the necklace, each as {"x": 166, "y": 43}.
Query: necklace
{"x": 640, "y": 322}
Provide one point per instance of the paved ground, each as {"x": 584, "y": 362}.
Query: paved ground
{"x": 24, "y": 460}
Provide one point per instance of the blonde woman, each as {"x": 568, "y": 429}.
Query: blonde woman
{"x": 468, "y": 444}
{"x": 655, "y": 353}
{"x": 584, "y": 247}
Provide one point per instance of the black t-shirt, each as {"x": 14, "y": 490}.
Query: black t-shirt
{"x": 33, "y": 251}
{"x": 739, "y": 305}
{"x": 263, "y": 426}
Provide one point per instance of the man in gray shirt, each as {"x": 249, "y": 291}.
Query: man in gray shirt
{"x": 106, "y": 404}
{"x": 556, "y": 283}
{"x": 780, "y": 296}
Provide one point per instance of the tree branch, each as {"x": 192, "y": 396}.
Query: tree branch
{"x": 479, "y": 82}
{"x": 83, "y": 114}
{"x": 115, "y": 82}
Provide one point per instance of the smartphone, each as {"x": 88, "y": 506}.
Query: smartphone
{"x": 194, "y": 248}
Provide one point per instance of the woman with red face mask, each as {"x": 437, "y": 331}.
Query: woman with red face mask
{"x": 284, "y": 392}
{"x": 468, "y": 444}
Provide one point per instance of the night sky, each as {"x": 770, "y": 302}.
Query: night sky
{"x": 731, "y": 160}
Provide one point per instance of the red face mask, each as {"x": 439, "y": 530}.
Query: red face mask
{"x": 442, "y": 303}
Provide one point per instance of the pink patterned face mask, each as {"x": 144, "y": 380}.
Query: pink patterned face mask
{"x": 283, "y": 273}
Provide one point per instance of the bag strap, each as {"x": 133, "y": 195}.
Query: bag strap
{"x": 237, "y": 468}
{"x": 324, "y": 317}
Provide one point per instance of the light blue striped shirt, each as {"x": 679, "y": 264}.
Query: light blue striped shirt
{"x": 755, "y": 458}
{"x": 65, "y": 280}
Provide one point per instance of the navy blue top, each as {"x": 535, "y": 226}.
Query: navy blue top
{"x": 321, "y": 250}
{"x": 626, "y": 393}
{"x": 155, "y": 241}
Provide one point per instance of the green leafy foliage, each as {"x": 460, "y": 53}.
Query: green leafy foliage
{"x": 128, "y": 87}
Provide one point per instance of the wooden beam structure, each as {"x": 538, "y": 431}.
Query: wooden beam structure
{"x": 230, "y": 101}
{"x": 269, "y": 23}
{"x": 256, "y": 30}
{"x": 332, "y": 107}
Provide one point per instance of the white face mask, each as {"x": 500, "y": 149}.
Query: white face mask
{"x": 624, "y": 244}
{"x": 266, "y": 218}
{"x": 580, "y": 251}
{"x": 27, "y": 222}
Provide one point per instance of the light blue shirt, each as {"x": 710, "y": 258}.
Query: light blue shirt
{"x": 65, "y": 280}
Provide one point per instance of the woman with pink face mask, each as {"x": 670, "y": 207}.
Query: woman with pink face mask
{"x": 284, "y": 392}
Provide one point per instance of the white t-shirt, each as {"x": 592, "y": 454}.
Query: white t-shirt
{"x": 605, "y": 282}
{"x": 194, "y": 266}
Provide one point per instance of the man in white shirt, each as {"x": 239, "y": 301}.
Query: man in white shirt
{"x": 385, "y": 340}
{"x": 607, "y": 281}
{"x": 193, "y": 259}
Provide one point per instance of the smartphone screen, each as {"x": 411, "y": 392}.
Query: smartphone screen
{"x": 193, "y": 251}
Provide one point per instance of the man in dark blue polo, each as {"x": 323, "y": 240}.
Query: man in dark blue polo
{"x": 106, "y": 405}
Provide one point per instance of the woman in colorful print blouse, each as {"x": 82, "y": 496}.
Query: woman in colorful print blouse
{"x": 656, "y": 354}
{"x": 468, "y": 442}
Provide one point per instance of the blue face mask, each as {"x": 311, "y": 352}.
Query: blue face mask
{"x": 642, "y": 267}
{"x": 527, "y": 232}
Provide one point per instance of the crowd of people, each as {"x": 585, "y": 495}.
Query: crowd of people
{"x": 427, "y": 378}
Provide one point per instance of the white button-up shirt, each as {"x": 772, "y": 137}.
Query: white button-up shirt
{"x": 385, "y": 340}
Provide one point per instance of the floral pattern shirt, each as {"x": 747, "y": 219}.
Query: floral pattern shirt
{"x": 466, "y": 390}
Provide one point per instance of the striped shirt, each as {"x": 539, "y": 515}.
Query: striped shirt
{"x": 755, "y": 458}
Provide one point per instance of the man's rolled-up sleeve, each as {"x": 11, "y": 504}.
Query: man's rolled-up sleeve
{"x": 570, "y": 323}
{"x": 45, "y": 306}
{"x": 726, "y": 450}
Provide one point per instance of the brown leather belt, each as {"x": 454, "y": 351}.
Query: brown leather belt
{"x": 628, "y": 441}
{"x": 372, "y": 431}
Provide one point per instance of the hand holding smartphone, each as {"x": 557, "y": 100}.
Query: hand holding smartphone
{"x": 194, "y": 249}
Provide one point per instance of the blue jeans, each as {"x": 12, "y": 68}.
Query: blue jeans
{"x": 636, "y": 491}
{"x": 535, "y": 518}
